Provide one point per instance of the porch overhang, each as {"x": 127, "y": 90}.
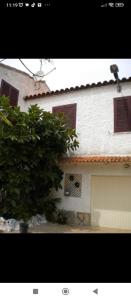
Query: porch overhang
{"x": 96, "y": 159}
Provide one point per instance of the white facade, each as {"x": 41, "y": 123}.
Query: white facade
{"x": 94, "y": 118}
{"x": 83, "y": 203}
{"x": 95, "y": 129}
{"x": 23, "y": 82}
{"x": 104, "y": 199}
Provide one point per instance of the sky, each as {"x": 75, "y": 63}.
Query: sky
{"x": 73, "y": 72}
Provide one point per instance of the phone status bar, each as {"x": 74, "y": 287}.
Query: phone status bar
{"x": 63, "y": 4}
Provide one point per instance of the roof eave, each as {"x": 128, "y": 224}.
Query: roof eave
{"x": 72, "y": 89}
{"x": 96, "y": 159}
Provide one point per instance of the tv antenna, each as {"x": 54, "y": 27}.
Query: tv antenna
{"x": 40, "y": 74}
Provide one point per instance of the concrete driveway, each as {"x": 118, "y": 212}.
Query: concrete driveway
{"x": 57, "y": 228}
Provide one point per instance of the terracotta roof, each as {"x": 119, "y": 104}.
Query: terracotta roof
{"x": 97, "y": 158}
{"x": 76, "y": 88}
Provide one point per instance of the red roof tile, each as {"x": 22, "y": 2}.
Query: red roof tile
{"x": 99, "y": 159}
{"x": 98, "y": 84}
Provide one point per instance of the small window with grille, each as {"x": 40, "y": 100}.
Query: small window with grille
{"x": 72, "y": 186}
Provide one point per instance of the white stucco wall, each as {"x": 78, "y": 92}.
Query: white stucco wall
{"x": 83, "y": 203}
{"x": 23, "y": 82}
{"x": 94, "y": 119}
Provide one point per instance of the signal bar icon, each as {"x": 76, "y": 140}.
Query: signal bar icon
{"x": 104, "y": 5}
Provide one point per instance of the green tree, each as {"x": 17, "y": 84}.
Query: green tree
{"x": 31, "y": 145}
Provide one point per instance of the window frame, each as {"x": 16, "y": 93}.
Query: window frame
{"x": 119, "y": 122}
{"x": 67, "y": 106}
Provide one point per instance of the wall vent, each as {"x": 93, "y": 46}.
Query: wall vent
{"x": 72, "y": 186}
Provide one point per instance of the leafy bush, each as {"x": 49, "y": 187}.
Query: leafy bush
{"x": 61, "y": 217}
{"x": 31, "y": 145}
{"x": 23, "y": 211}
{"x": 50, "y": 209}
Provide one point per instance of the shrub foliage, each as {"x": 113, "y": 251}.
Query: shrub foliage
{"x": 31, "y": 144}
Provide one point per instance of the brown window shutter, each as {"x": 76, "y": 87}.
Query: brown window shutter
{"x": 57, "y": 109}
{"x": 14, "y": 94}
{"x": 5, "y": 88}
{"x": 8, "y": 90}
{"x": 122, "y": 114}
{"x": 69, "y": 112}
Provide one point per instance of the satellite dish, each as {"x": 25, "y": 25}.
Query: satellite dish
{"x": 38, "y": 76}
{"x": 40, "y": 73}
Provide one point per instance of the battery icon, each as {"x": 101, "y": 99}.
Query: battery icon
{"x": 119, "y": 4}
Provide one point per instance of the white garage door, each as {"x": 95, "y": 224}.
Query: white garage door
{"x": 111, "y": 201}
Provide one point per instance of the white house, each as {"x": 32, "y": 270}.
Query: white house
{"x": 97, "y": 177}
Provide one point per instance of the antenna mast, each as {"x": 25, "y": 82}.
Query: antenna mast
{"x": 40, "y": 74}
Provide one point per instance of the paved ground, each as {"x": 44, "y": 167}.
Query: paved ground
{"x": 57, "y": 228}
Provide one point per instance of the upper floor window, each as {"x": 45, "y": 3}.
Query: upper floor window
{"x": 122, "y": 114}
{"x": 10, "y": 91}
{"x": 69, "y": 112}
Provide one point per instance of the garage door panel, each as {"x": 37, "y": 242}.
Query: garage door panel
{"x": 112, "y": 219}
{"x": 111, "y": 201}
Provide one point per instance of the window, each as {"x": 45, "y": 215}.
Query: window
{"x": 122, "y": 114}
{"x": 69, "y": 112}
{"x": 72, "y": 185}
{"x": 10, "y": 91}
